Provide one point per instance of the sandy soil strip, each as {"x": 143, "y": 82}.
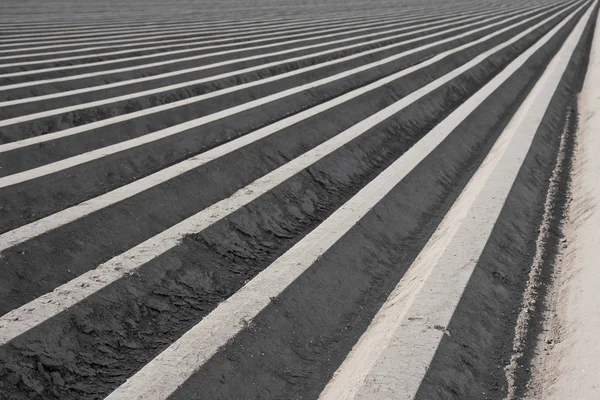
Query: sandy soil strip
{"x": 369, "y": 26}
{"x": 234, "y": 40}
{"x": 151, "y": 137}
{"x": 134, "y": 35}
{"x": 125, "y": 117}
{"x": 195, "y": 27}
{"x": 567, "y": 364}
{"x": 37, "y": 28}
{"x": 83, "y": 32}
{"x": 61, "y": 218}
{"x": 204, "y": 67}
{"x": 37, "y": 311}
{"x": 179, "y": 43}
{"x": 263, "y": 37}
{"x": 173, "y": 42}
{"x": 391, "y": 358}
{"x": 172, "y": 367}
{"x": 397, "y": 25}
{"x": 41, "y": 26}
{"x": 191, "y": 58}
{"x": 153, "y": 27}
{"x": 172, "y": 33}
{"x": 28, "y": 16}
{"x": 97, "y": 103}
{"x": 200, "y": 16}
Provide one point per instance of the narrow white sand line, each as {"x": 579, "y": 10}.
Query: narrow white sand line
{"x": 245, "y": 22}
{"x": 220, "y": 35}
{"x": 153, "y": 29}
{"x": 392, "y": 356}
{"x": 198, "y": 57}
{"x": 54, "y": 12}
{"x": 379, "y": 23}
{"x": 95, "y": 48}
{"x": 242, "y": 23}
{"x": 129, "y": 96}
{"x": 125, "y": 28}
{"x": 42, "y": 28}
{"x": 165, "y": 373}
{"x": 96, "y": 55}
{"x": 212, "y": 25}
{"x": 70, "y": 162}
{"x": 142, "y": 19}
{"x": 97, "y": 103}
{"x": 196, "y": 27}
{"x": 202, "y": 26}
{"x": 216, "y": 93}
{"x": 44, "y": 307}
{"x": 154, "y": 12}
{"x": 167, "y": 44}
{"x": 228, "y": 40}
{"x": 11, "y": 47}
{"x": 184, "y": 42}
{"x": 31, "y": 230}
{"x": 24, "y": 27}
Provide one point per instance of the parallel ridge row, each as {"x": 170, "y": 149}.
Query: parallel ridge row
{"x": 158, "y": 213}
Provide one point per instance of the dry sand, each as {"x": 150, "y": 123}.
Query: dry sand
{"x": 568, "y": 354}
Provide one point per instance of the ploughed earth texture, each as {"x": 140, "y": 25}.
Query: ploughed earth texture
{"x": 278, "y": 199}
